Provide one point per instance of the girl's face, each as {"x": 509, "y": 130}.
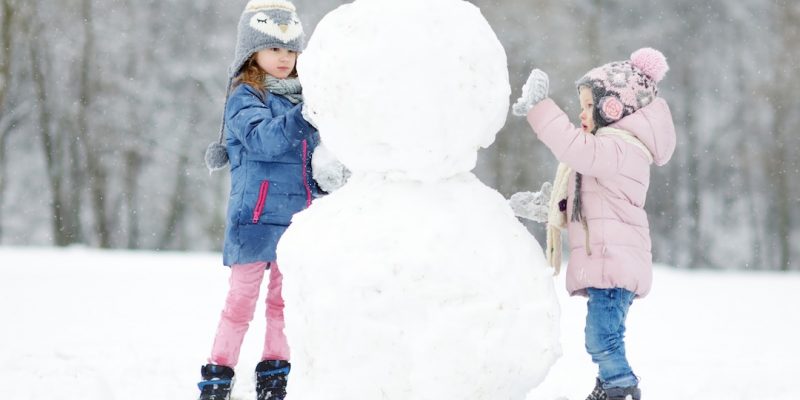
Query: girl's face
{"x": 587, "y": 109}
{"x": 278, "y": 62}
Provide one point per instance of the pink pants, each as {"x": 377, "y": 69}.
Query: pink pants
{"x": 240, "y": 305}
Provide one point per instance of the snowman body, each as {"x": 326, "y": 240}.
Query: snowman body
{"x": 414, "y": 280}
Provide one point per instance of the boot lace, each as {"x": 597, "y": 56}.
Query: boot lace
{"x": 598, "y": 393}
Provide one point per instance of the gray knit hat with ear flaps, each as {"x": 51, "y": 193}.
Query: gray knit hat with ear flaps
{"x": 264, "y": 24}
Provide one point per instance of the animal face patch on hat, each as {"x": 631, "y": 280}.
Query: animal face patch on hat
{"x": 265, "y": 24}
{"x": 620, "y": 88}
{"x": 275, "y": 18}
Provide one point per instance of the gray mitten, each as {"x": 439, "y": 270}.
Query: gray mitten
{"x": 327, "y": 170}
{"x": 532, "y": 205}
{"x": 534, "y": 91}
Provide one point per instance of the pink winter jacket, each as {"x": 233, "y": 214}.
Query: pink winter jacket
{"x": 616, "y": 175}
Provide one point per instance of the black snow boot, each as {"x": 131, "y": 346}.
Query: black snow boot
{"x": 217, "y": 382}
{"x": 598, "y": 393}
{"x": 271, "y": 378}
{"x": 626, "y": 393}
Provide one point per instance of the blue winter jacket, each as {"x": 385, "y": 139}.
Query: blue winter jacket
{"x": 269, "y": 145}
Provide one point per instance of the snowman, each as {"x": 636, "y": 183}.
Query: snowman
{"x": 414, "y": 280}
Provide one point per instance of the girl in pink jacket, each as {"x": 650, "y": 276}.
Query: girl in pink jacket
{"x": 599, "y": 195}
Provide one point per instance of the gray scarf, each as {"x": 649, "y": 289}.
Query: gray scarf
{"x": 289, "y": 88}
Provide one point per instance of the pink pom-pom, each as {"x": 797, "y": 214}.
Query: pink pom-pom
{"x": 651, "y": 62}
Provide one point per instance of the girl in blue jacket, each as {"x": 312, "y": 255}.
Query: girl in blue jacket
{"x": 269, "y": 146}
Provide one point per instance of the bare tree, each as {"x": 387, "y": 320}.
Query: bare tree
{"x": 750, "y": 161}
{"x": 6, "y": 19}
{"x": 782, "y": 99}
{"x": 171, "y": 236}
{"x": 63, "y": 228}
{"x": 95, "y": 171}
{"x": 7, "y": 16}
{"x": 693, "y": 178}
{"x": 6, "y": 48}
{"x": 688, "y": 237}
{"x": 63, "y": 168}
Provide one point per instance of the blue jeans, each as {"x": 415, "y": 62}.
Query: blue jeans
{"x": 605, "y": 335}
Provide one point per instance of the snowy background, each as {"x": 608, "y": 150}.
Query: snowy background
{"x": 107, "y": 106}
{"x": 121, "y": 325}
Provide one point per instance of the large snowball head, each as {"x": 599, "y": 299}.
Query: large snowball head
{"x": 408, "y": 88}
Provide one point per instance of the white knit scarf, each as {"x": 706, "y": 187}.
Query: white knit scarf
{"x": 557, "y": 219}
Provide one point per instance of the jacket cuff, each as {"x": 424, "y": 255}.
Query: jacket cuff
{"x": 303, "y": 129}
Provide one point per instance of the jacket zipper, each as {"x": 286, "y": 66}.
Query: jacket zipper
{"x": 305, "y": 174}
{"x": 262, "y": 198}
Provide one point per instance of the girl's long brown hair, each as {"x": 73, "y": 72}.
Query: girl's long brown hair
{"x": 254, "y": 76}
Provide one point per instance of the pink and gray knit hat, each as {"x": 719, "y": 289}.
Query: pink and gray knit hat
{"x": 622, "y": 87}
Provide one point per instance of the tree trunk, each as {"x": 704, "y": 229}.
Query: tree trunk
{"x": 783, "y": 210}
{"x": 694, "y": 227}
{"x": 783, "y": 97}
{"x": 133, "y": 165}
{"x": 62, "y": 235}
{"x": 95, "y": 171}
{"x": 778, "y": 214}
{"x": 6, "y": 49}
{"x": 2, "y": 179}
{"x": 177, "y": 206}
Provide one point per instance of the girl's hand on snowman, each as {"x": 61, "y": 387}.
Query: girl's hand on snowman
{"x": 532, "y": 205}
{"x": 535, "y": 90}
{"x": 327, "y": 170}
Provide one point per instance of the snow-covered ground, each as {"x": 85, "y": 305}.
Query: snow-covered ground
{"x": 94, "y": 325}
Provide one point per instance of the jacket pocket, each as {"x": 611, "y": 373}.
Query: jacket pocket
{"x": 262, "y": 200}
